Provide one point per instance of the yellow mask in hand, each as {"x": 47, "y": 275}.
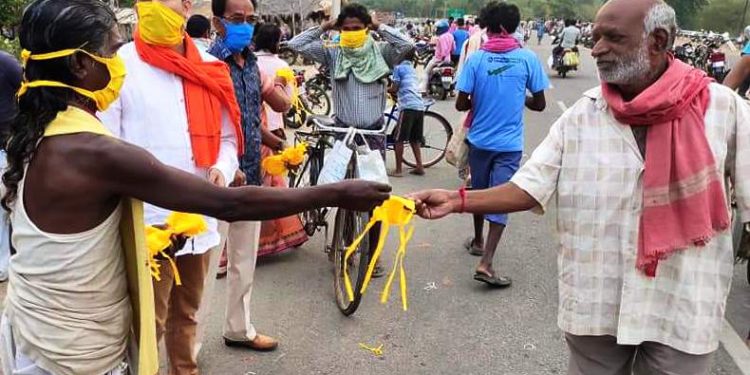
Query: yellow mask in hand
{"x": 103, "y": 98}
{"x": 353, "y": 39}
{"x": 160, "y": 25}
{"x": 396, "y": 211}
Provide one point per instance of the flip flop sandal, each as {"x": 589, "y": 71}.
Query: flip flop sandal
{"x": 493, "y": 281}
{"x": 472, "y": 249}
{"x": 416, "y": 172}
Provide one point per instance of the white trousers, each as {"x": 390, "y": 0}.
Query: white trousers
{"x": 242, "y": 252}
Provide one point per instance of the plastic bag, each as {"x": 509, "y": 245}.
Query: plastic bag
{"x": 457, "y": 154}
{"x": 370, "y": 165}
{"x": 571, "y": 59}
{"x": 337, "y": 161}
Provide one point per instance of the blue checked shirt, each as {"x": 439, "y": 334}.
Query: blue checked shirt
{"x": 247, "y": 84}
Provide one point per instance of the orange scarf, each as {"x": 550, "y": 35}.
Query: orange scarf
{"x": 208, "y": 87}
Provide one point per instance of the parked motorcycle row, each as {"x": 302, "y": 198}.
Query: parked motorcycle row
{"x": 704, "y": 52}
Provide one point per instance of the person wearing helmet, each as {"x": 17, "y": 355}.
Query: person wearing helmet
{"x": 445, "y": 46}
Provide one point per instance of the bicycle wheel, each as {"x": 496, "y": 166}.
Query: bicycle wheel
{"x": 437, "y": 134}
{"x": 347, "y": 227}
{"x": 317, "y": 100}
{"x": 308, "y": 176}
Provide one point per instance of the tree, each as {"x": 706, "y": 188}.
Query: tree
{"x": 687, "y": 10}
{"x": 10, "y": 16}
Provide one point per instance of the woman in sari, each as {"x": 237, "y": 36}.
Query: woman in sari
{"x": 285, "y": 233}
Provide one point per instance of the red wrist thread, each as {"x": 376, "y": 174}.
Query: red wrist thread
{"x": 462, "y": 194}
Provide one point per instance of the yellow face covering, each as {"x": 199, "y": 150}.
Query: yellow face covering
{"x": 159, "y": 25}
{"x": 396, "y": 211}
{"x": 353, "y": 39}
{"x": 103, "y": 98}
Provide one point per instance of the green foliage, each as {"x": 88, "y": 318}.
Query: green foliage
{"x": 10, "y": 45}
{"x": 722, "y": 16}
{"x": 10, "y": 12}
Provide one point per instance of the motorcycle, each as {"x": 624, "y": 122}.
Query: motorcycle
{"x": 685, "y": 53}
{"x": 424, "y": 53}
{"x": 717, "y": 65}
{"x": 442, "y": 81}
{"x": 566, "y": 61}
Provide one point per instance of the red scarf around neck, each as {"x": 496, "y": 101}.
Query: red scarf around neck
{"x": 684, "y": 203}
{"x": 208, "y": 87}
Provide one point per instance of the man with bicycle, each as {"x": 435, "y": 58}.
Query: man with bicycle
{"x": 359, "y": 67}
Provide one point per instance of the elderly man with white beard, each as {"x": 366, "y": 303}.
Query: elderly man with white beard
{"x": 638, "y": 171}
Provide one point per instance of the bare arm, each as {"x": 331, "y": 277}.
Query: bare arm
{"x": 739, "y": 73}
{"x": 277, "y": 97}
{"x": 536, "y": 102}
{"x": 507, "y": 198}
{"x": 141, "y": 176}
{"x": 271, "y": 140}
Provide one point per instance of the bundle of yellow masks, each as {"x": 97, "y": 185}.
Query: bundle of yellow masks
{"x": 396, "y": 211}
{"x": 291, "y": 157}
{"x": 291, "y": 79}
{"x": 158, "y": 240}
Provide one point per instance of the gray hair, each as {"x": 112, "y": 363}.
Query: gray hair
{"x": 661, "y": 16}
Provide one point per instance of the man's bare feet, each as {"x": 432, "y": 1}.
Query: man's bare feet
{"x": 417, "y": 171}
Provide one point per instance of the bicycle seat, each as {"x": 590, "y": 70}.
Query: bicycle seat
{"x": 322, "y": 120}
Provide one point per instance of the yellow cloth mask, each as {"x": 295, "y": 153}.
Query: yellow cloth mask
{"x": 160, "y": 25}
{"x": 397, "y": 211}
{"x": 103, "y": 98}
{"x": 353, "y": 39}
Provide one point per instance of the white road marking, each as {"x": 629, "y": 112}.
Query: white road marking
{"x": 562, "y": 105}
{"x": 736, "y": 347}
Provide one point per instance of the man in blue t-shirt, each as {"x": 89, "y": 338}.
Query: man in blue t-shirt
{"x": 461, "y": 35}
{"x": 493, "y": 85}
{"x": 411, "y": 121}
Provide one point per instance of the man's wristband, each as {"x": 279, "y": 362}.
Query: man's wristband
{"x": 462, "y": 194}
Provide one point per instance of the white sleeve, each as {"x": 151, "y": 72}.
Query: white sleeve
{"x": 539, "y": 176}
{"x": 228, "y": 161}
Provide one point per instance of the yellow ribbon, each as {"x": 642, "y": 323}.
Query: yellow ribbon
{"x": 158, "y": 240}
{"x": 396, "y": 211}
{"x": 378, "y": 352}
{"x": 291, "y": 79}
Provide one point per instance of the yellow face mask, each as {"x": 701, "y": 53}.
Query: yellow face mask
{"x": 353, "y": 39}
{"x": 160, "y": 25}
{"x": 103, "y": 98}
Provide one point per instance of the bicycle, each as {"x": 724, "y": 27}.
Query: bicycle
{"x": 437, "y": 133}
{"x": 347, "y": 224}
{"x": 314, "y": 100}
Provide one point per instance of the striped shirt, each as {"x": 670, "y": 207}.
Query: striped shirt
{"x": 591, "y": 164}
{"x": 356, "y": 104}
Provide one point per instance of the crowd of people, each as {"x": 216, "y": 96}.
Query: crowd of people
{"x": 102, "y": 134}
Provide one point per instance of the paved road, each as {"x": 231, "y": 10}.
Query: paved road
{"x": 460, "y": 327}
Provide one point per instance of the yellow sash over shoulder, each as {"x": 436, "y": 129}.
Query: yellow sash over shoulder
{"x": 143, "y": 352}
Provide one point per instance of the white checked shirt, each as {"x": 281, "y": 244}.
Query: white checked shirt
{"x": 150, "y": 113}
{"x": 592, "y": 165}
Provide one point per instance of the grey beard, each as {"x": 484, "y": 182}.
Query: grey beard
{"x": 631, "y": 69}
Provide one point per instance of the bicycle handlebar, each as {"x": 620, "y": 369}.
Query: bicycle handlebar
{"x": 318, "y": 124}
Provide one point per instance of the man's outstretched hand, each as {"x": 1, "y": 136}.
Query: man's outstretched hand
{"x": 435, "y": 204}
{"x": 360, "y": 195}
